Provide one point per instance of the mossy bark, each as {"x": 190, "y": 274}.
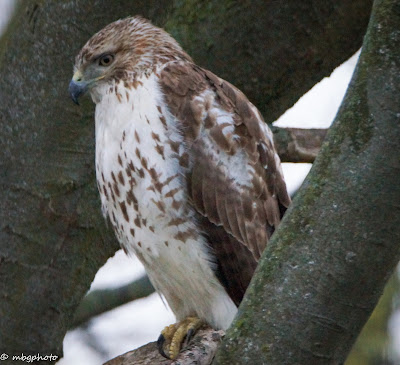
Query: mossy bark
{"x": 325, "y": 268}
{"x": 52, "y": 236}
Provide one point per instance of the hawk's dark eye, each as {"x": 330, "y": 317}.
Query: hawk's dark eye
{"x": 106, "y": 60}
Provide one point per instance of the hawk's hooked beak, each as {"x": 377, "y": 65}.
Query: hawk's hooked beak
{"x": 77, "y": 87}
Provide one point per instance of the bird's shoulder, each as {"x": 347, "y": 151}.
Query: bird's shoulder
{"x": 203, "y": 100}
{"x": 235, "y": 178}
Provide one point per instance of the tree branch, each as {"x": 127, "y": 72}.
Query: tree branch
{"x": 298, "y": 145}
{"x": 103, "y": 300}
{"x": 325, "y": 268}
{"x": 200, "y": 351}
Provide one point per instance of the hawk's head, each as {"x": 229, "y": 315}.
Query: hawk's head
{"x": 122, "y": 51}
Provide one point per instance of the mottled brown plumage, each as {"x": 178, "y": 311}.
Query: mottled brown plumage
{"x": 186, "y": 168}
{"x": 241, "y": 224}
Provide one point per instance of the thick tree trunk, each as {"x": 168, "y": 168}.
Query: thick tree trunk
{"x": 323, "y": 272}
{"x": 52, "y": 236}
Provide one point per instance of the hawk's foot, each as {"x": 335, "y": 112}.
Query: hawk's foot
{"x": 173, "y": 336}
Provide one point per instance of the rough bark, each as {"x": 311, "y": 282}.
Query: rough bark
{"x": 200, "y": 351}
{"x": 52, "y": 235}
{"x": 323, "y": 272}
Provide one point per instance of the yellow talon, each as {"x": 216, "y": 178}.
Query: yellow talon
{"x": 173, "y": 336}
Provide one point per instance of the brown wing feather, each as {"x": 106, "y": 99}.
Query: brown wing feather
{"x": 237, "y": 217}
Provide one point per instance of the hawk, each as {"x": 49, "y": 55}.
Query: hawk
{"x": 186, "y": 170}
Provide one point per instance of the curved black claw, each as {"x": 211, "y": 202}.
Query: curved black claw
{"x": 189, "y": 335}
{"x": 160, "y": 346}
